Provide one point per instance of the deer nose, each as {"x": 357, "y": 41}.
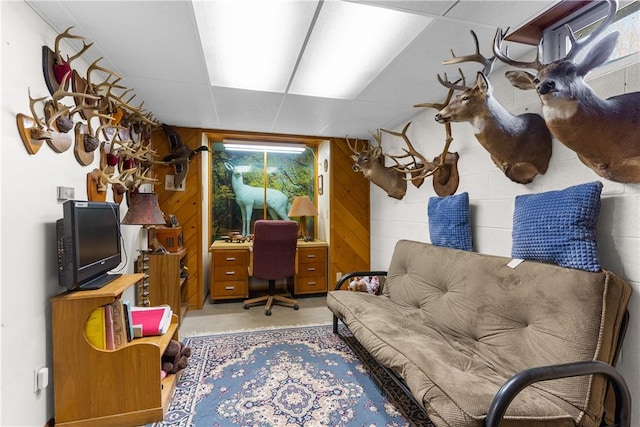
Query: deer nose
{"x": 440, "y": 118}
{"x": 355, "y": 168}
{"x": 546, "y": 87}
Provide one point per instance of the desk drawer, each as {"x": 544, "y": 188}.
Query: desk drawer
{"x": 225, "y": 273}
{"x": 236, "y": 289}
{"x": 311, "y": 285}
{"x": 312, "y": 269}
{"x": 312, "y": 255}
{"x": 224, "y": 258}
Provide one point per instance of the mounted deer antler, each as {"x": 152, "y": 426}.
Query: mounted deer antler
{"x": 370, "y": 161}
{"x": 603, "y": 132}
{"x": 40, "y": 131}
{"x": 54, "y": 63}
{"x": 519, "y": 145}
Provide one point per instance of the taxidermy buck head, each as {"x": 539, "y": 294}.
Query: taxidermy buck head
{"x": 519, "y": 145}
{"x": 370, "y": 161}
{"x": 603, "y": 132}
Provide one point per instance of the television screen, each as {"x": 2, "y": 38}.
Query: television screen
{"x": 88, "y": 244}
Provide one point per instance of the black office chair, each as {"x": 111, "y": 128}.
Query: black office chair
{"x": 273, "y": 257}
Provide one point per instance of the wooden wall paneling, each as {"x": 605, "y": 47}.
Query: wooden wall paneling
{"x": 350, "y": 243}
{"x": 187, "y": 206}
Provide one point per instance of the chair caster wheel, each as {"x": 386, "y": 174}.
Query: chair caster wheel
{"x": 246, "y": 307}
{"x": 267, "y": 312}
{"x": 295, "y": 307}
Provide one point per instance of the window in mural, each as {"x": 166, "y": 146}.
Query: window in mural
{"x": 239, "y": 192}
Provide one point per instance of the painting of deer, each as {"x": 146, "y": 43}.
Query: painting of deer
{"x": 603, "y": 132}
{"x": 249, "y": 197}
{"x": 520, "y": 145}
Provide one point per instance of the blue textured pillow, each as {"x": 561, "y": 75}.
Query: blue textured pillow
{"x": 449, "y": 224}
{"x": 558, "y": 227}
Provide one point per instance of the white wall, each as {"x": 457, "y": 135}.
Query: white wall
{"x": 29, "y": 211}
{"x": 492, "y": 197}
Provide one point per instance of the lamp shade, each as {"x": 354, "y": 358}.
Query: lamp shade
{"x": 144, "y": 209}
{"x": 302, "y": 206}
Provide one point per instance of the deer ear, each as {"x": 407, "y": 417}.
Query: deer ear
{"x": 521, "y": 79}
{"x": 483, "y": 83}
{"x": 598, "y": 54}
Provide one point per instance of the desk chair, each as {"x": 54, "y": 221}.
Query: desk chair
{"x": 273, "y": 256}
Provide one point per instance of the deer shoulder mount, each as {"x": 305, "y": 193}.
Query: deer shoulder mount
{"x": 520, "y": 145}
{"x": 603, "y": 132}
{"x": 370, "y": 161}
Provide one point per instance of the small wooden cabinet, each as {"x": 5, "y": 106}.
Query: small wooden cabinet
{"x": 312, "y": 270}
{"x": 165, "y": 280}
{"x": 101, "y": 388}
{"x": 229, "y": 274}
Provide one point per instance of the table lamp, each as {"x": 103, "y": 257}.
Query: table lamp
{"x": 144, "y": 210}
{"x": 303, "y": 207}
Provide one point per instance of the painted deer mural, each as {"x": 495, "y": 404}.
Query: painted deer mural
{"x": 605, "y": 133}
{"x": 520, "y": 145}
{"x": 249, "y": 197}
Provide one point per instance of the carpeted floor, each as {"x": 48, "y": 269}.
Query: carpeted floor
{"x": 298, "y": 376}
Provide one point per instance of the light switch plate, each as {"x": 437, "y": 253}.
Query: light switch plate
{"x": 65, "y": 193}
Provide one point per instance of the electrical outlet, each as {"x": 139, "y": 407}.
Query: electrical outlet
{"x": 338, "y": 276}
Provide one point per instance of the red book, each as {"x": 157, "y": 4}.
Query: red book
{"x": 154, "y": 320}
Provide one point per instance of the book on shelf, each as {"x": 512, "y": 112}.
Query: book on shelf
{"x": 95, "y": 329}
{"x": 154, "y": 320}
{"x": 127, "y": 319}
{"x": 119, "y": 327}
{"x": 108, "y": 327}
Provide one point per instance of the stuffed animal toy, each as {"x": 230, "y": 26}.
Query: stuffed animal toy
{"x": 175, "y": 357}
{"x": 369, "y": 284}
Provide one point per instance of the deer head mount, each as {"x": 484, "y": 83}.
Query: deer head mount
{"x": 519, "y": 145}
{"x": 603, "y": 132}
{"x": 370, "y": 161}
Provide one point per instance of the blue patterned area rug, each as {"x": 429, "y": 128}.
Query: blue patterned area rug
{"x": 300, "y": 376}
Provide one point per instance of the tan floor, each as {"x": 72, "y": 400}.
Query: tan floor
{"x": 230, "y": 316}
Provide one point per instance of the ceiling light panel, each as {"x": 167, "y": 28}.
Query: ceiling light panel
{"x": 253, "y": 44}
{"x": 350, "y": 45}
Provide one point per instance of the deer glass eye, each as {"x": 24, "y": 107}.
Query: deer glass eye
{"x": 465, "y": 98}
{"x": 536, "y": 81}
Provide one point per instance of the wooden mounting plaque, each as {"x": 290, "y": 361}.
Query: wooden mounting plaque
{"x": 25, "y": 124}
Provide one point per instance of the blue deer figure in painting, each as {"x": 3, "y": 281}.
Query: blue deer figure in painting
{"x": 249, "y": 197}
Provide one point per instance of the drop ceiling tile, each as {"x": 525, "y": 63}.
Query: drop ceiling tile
{"x": 499, "y": 13}
{"x": 246, "y": 110}
{"x": 178, "y": 103}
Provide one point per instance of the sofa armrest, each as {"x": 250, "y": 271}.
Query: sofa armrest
{"x": 348, "y": 276}
{"x": 527, "y": 377}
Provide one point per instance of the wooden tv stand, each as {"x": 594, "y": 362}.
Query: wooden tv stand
{"x": 101, "y": 388}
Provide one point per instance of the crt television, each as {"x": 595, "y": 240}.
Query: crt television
{"x": 88, "y": 244}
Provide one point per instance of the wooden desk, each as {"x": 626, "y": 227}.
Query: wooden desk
{"x": 230, "y": 264}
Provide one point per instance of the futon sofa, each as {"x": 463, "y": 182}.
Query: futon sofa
{"x": 471, "y": 336}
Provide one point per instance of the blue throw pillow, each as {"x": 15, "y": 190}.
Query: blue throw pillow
{"x": 558, "y": 227}
{"x": 449, "y": 223}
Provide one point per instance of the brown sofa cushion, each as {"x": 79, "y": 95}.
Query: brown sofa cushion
{"x": 456, "y": 325}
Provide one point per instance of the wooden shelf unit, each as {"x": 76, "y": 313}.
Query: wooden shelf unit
{"x": 103, "y": 388}
{"x": 166, "y": 283}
